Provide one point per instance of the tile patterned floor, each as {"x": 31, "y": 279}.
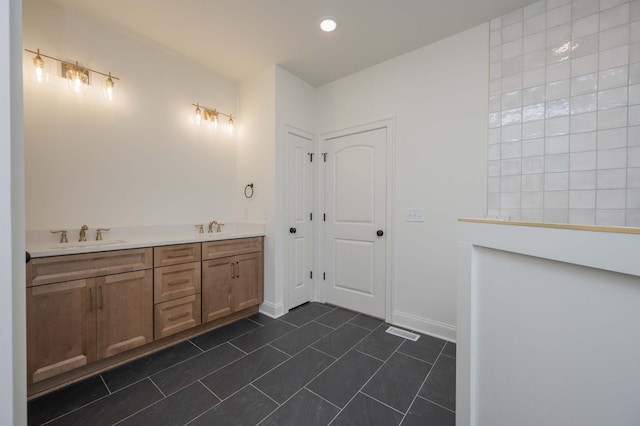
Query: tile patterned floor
{"x": 317, "y": 365}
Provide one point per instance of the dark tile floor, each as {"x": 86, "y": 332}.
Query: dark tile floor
{"x": 317, "y": 365}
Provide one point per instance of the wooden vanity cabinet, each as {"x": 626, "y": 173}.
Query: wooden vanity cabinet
{"x": 232, "y": 276}
{"x": 88, "y": 312}
{"x": 177, "y": 279}
{"x": 73, "y": 323}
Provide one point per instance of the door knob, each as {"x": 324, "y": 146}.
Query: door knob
{"x": 379, "y": 233}
{"x": 28, "y": 257}
{"x": 292, "y": 230}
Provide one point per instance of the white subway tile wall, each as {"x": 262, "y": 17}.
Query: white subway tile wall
{"x": 564, "y": 120}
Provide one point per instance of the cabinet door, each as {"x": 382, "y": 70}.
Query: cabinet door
{"x": 216, "y": 281}
{"x": 125, "y": 312}
{"x": 246, "y": 286}
{"x": 61, "y": 328}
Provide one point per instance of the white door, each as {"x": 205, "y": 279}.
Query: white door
{"x": 355, "y": 204}
{"x": 300, "y": 208}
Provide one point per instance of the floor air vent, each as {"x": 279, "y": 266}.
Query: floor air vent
{"x": 403, "y": 333}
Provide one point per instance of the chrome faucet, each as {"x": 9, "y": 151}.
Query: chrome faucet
{"x": 83, "y": 233}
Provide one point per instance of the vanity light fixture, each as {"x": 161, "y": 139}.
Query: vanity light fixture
{"x": 78, "y": 76}
{"x": 206, "y": 115}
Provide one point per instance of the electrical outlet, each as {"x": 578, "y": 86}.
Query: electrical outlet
{"x": 415, "y": 215}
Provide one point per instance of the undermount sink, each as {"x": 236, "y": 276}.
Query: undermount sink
{"x": 87, "y": 244}
{"x": 216, "y": 234}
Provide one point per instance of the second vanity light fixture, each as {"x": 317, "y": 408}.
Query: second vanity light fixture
{"x": 78, "y": 76}
{"x": 204, "y": 115}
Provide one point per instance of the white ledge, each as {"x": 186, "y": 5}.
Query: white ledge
{"x": 548, "y": 324}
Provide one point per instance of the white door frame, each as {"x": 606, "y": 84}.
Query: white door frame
{"x": 390, "y": 214}
{"x": 13, "y": 357}
{"x": 286, "y": 264}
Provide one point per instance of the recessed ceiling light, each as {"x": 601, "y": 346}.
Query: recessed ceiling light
{"x": 328, "y": 24}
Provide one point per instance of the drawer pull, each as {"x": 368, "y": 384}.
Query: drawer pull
{"x": 178, "y": 282}
{"x": 175, "y": 256}
{"x": 175, "y": 317}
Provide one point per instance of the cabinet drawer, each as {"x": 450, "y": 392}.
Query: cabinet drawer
{"x": 176, "y": 315}
{"x": 175, "y": 255}
{"x": 55, "y": 269}
{"x": 224, "y": 248}
{"x": 173, "y": 282}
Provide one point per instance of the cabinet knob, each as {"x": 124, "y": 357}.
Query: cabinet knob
{"x": 292, "y": 230}
{"x": 379, "y": 233}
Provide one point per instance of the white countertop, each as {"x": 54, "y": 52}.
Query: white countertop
{"x": 43, "y": 243}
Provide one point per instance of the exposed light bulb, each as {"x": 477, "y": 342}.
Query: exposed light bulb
{"x": 198, "y": 117}
{"x": 108, "y": 88}
{"x": 78, "y": 79}
{"x": 39, "y": 69}
{"x": 77, "y": 84}
{"x": 214, "y": 123}
{"x": 230, "y": 126}
{"x": 38, "y": 63}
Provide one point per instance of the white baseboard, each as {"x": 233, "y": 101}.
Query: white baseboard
{"x": 273, "y": 310}
{"x": 425, "y": 326}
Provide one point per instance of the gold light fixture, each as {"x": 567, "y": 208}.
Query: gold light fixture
{"x": 198, "y": 116}
{"x": 40, "y": 72}
{"x": 78, "y": 76}
{"x": 211, "y": 115}
{"x": 109, "y": 88}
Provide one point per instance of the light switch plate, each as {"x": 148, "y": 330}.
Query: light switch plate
{"x": 415, "y": 215}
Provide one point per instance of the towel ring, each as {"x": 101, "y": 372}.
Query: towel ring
{"x": 248, "y": 191}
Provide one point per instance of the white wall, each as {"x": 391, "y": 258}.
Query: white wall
{"x": 294, "y": 108}
{"x": 13, "y": 395}
{"x": 268, "y": 102}
{"x": 437, "y": 96}
{"x": 140, "y": 161}
{"x": 256, "y": 164}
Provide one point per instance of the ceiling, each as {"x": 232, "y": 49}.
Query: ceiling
{"x": 239, "y": 38}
